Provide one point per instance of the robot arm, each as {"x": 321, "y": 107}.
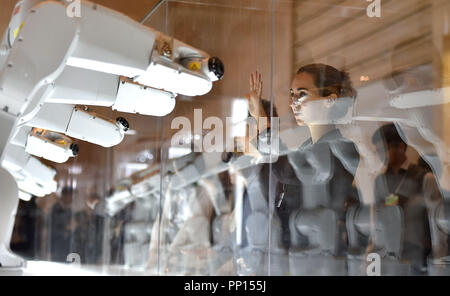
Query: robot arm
{"x": 102, "y": 58}
{"x": 142, "y": 73}
{"x": 102, "y": 53}
{"x": 80, "y": 124}
{"x": 119, "y": 64}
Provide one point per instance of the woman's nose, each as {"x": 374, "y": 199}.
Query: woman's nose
{"x": 295, "y": 106}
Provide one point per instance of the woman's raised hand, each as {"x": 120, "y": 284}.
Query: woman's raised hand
{"x": 255, "y": 106}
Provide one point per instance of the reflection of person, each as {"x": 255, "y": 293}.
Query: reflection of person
{"x": 90, "y": 231}
{"x": 325, "y": 164}
{"x": 27, "y": 231}
{"x": 116, "y": 226}
{"x": 61, "y": 227}
{"x": 402, "y": 185}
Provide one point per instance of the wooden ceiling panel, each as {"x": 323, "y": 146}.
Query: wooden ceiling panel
{"x": 331, "y": 18}
{"x": 362, "y": 45}
{"x": 362, "y": 27}
{"x": 415, "y": 54}
{"x": 307, "y": 10}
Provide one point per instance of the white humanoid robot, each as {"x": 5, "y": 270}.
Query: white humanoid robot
{"x": 222, "y": 259}
{"x": 263, "y": 253}
{"x": 51, "y": 62}
{"x": 421, "y": 127}
{"x": 411, "y": 102}
{"x": 368, "y": 224}
{"x": 326, "y": 171}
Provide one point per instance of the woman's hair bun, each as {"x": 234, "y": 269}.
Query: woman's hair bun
{"x": 330, "y": 80}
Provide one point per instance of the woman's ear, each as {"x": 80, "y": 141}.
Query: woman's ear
{"x": 331, "y": 99}
{"x": 333, "y": 96}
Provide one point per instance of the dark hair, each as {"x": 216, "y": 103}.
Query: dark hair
{"x": 329, "y": 80}
{"x": 388, "y": 134}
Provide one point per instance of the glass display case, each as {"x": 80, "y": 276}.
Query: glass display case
{"x": 323, "y": 150}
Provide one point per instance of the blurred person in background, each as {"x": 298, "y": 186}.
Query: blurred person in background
{"x": 61, "y": 226}
{"x": 90, "y": 230}
{"x": 27, "y": 232}
{"x": 401, "y": 184}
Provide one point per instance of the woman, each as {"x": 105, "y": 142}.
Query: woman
{"x": 321, "y": 97}
{"x": 312, "y": 84}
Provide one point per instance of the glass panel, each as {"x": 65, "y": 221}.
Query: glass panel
{"x": 214, "y": 217}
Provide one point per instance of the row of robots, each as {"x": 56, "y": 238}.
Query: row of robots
{"x": 105, "y": 59}
{"x": 225, "y": 213}
{"x": 216, "y": 214}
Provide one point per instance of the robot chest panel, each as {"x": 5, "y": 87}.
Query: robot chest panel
{"x": 314, "y": 164}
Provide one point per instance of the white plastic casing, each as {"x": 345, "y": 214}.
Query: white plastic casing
{"x": 88, "y": 127}
{"x": 171, "y": 77}
{"x": 52, "y": 150}
{"x": 134, "y": 98}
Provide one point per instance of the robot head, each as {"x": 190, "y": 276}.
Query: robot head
{"x": 75, "y": 149}
{"x": 123, "y": 123}
{"x": 216, "y": 66}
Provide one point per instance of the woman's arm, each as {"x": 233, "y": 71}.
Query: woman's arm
{"x": 255, "y": 105}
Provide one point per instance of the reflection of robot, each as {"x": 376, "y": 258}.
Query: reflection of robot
{"x": 258, "y": 256}
{"x": 383, "y": 226}
{"x": 101, "y": 58}
{"x": 138, "y": 231}
{"x": 379, "y": 225}
{"x": 179, "y": 177}
{"x": 189, "y": 248}
{"x": 192, "y": 185}
{"x": 419, "y": 107}
{"x": 420, "y": 132}
{"x": 415, "y": 108}
{"x": 326, "y": 171}
{"x": 438, "y": 214}
{"x": 178, "y": 174}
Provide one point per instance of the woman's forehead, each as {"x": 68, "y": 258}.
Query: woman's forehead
{"x": 302, "y": 80}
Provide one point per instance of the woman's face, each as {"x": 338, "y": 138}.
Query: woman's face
{"x": 303, "y": 90}
{"x": 308, "y": 106}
